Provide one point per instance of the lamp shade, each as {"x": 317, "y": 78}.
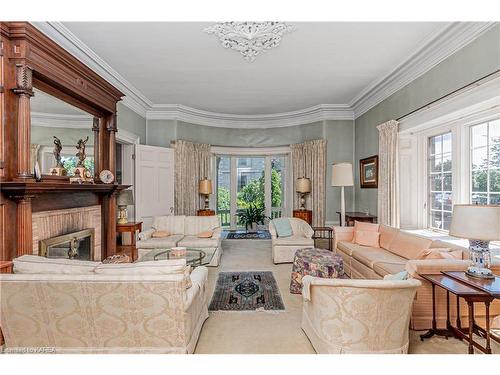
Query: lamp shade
{"x": 205, "y": 186}
{"x": 125, "y": 198}
{"x": 303, "y": 185}
{"x": 342, "y": 174}
{"x": 475, "y": 222}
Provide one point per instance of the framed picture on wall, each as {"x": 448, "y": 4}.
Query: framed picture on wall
{"x": 368, "y": 172}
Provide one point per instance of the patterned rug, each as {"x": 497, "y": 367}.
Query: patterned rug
{"x": 260, "y": 235}
{"x": 238, "y": 291}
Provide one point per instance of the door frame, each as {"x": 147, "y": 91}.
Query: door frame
{"x": 128, "y": 140}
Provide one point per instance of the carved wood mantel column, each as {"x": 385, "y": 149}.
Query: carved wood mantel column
{"x": 24, "y": 225}
{"x": 24, "y": 90}
{"x": 111, "y": 200}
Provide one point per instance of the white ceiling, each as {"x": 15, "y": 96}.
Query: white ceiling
{"x": 318, "y": 63}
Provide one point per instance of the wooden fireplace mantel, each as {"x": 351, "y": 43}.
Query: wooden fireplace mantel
{"x": 29, "y": 59}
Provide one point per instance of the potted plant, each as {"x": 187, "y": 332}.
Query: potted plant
{"x": 251, "y": 217}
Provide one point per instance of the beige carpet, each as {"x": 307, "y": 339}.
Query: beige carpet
{"x": 276, "y": 332}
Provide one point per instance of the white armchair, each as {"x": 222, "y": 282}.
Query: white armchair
{"x": 284, "y": 248}
{"x": 357, "y": 316}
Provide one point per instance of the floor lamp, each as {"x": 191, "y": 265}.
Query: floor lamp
{"x": 342, "y": 176}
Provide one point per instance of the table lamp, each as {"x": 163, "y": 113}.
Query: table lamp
{"x": 342, "y": 176}
{"x": 205, "y": 188}
{"x": 303, "y": 187}
{"x": 479, "y": 224}
{"x": 125, "y": 198}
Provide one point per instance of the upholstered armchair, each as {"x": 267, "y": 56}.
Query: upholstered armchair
{"x": 357, "y": 316}
{"x": 284, "y": 248}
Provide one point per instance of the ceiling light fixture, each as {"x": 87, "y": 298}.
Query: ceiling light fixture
{"x": 250, "y": 38}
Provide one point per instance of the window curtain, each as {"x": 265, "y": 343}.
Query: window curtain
{"x": 309, "y": 160}
{"x": 192, "y": 164}
{"x": 388, "y": 180}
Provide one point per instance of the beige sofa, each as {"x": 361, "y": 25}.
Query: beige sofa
{"x": 357, "y": 316}
{"x": 87, "y": 312}
{"x": 184, "y": 231}
{"x": 400, "y": 251}
{"x": 284, "y": 248}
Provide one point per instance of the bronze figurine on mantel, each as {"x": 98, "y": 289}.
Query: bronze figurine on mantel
{"x": 59, "y": 169}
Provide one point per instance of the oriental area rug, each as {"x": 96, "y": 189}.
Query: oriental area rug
{"x": 242, "y": 291}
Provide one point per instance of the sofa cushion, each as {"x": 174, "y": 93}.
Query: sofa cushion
{"x": 360, "y": 226}
{"x": 172, "y": 224}
{"x": 346, "y": 247}
{"x": 283, "y": 227}
{"x": 408, "y": 245}
{"x": 196, "y": 224}
{"x": 387, "y": 268}
{"x": 367, "y": 238}
{"x": 371, "y": 255}
{"x": 158, "y": 243}
{"x": 34, "y": 264}
{"x": 293, "y": 241}
{"x": 194, "y": 241}
{"x": 387, "y": 234}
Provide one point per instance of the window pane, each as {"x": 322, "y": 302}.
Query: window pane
{"x": 480, "y": 158}
{"x": 447, "y": 182}
{"x": 435, "y": 145}
{"x": 436, "y": 201}
{"x": 447, "y": 205}
{"x": 479, "y": 180}
{"x": 447, "y": 143}
{"x": 480, "y": 135}
{"x": 447, "y": 162}
{"x": 495, "y": 180}
{"x": 446, "y": 220}
{"x": 435, "y": 182}
{"x": 494, "y": 132}
{"x": 495, "y": 199}
{"x": 435, "y": 163}
{"x": 223, "y": 190}
{"x": 436, "y": 219}
{"x": 479, "y": 198}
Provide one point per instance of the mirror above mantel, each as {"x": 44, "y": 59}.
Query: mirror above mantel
{"x": 53, "y": 120}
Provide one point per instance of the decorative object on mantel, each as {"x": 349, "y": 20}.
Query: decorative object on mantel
{"x": 59, "y": 169}
{"x": 205, "y": 189}
{"x": 342, "y": 176}
{"x": 480, "y": 225}
{"x": 106, "y": 177}
{"x": 250, "y": 38}
{"x": 368, "y": 172}
{"x": 80, "y": 170}
{"x": 303, "y": 187}
{"x": 125, "y": 198}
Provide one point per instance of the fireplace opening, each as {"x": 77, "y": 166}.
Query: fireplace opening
{"x": 76, "y": 245}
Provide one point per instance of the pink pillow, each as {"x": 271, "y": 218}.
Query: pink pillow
{"x": 367, "y": 238}
{"x": 365, "y": 227}
{"x": 439, "y": 253}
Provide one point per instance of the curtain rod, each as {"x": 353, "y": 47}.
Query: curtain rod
{"x": 477, "y": 82}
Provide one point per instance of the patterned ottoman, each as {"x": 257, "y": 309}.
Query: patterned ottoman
{"x": 315, "y": 262}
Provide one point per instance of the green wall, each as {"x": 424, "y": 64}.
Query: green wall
{"x": 476, "y": 60}
{"x": 131, "y": 121}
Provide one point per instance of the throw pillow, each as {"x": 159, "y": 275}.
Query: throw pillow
{"x": 116, "y": 259}
{"x": 403, "y": 275}
{"x": 440, "y": 253}
{"x": 367, "y": 238}
{"x": 206, "y": 234}
{"x": 283, "y": 227}
{"x": 160, "y": 234}
{"x": 364, "y": 227}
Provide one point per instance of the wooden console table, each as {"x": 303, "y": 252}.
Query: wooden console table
{"x": 471, "y": 290}
{"x": 131, "y": 228}
{"x": 351, "y": 217}
{"x": 305, "y": 215}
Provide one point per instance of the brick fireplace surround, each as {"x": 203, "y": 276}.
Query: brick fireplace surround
{"x": 48, "y": 224}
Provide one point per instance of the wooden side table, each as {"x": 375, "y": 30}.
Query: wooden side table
{"x": 472, "y": 291}
{"x": 305, "y": 215}
{"x": 351, "y": 217}
{"x": 325, "y": 234}
{"x": 6, "y": 266}
{"x": 205, "y": 213}
{"x": 131, "y": 228}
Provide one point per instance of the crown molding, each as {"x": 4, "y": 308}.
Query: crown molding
{"x": 320, "y": 112}
{"x": 57, "y": 120}
{"x": 429, "y": 53}
{"x": 134, "y": 99}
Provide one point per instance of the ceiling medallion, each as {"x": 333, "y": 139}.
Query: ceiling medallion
{"x": 250, "y": 38}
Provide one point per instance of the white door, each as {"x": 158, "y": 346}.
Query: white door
{"x": 154, "y": 183}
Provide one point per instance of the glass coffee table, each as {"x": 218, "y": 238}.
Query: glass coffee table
{"x": 194, "y": 257}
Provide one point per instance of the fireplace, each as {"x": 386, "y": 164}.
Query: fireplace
{"x": 77, "y": 245}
